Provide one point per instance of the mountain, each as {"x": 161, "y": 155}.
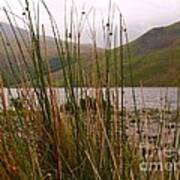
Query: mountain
{"x": 157, "y": 38}
{"x": 156, "y": 56}
{"x": 155, "y": 59}
{"x": 7, "y": 28}
{"x": 24, "y": 36}
{"x": 4, "y": 27}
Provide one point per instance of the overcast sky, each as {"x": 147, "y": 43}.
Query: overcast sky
{"x": 140, "y": 15}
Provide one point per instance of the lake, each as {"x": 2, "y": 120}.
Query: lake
{"x": 145, "y": 97}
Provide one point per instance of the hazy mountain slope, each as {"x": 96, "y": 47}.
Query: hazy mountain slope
{"x": 157, "y": 38}
{"x": 155, "y": 58}
{"x": 86, "y": 49}
{"x": 158, "y": 68}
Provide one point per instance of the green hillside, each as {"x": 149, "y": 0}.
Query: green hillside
{"x": 157, "y": 68}
{"x": 155, "y": 60}
{"x": 156, "y": 57}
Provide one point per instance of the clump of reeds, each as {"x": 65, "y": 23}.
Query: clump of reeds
{"x": 86, "y": 137}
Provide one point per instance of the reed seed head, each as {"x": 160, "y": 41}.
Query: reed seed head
{"x": 107, "y": 25}
{"x": 70, "y": 35}
{"x": 83, "y": 12}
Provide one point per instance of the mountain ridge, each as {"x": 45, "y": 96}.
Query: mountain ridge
{"x": 155, "y": 57}
{"x": 156, "y": 38}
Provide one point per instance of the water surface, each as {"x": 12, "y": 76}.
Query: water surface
{"x": 157, "y": 97}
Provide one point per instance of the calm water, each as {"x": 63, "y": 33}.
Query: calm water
{"x": 145, "y": 97}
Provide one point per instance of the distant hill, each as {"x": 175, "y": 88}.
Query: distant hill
{"x": 155, "y": 59}
{"x": 157, "y": 38}
{"x": 52, "y": 51}
{"x": 54, "y": 61}
{"x": 156, "y": 56}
